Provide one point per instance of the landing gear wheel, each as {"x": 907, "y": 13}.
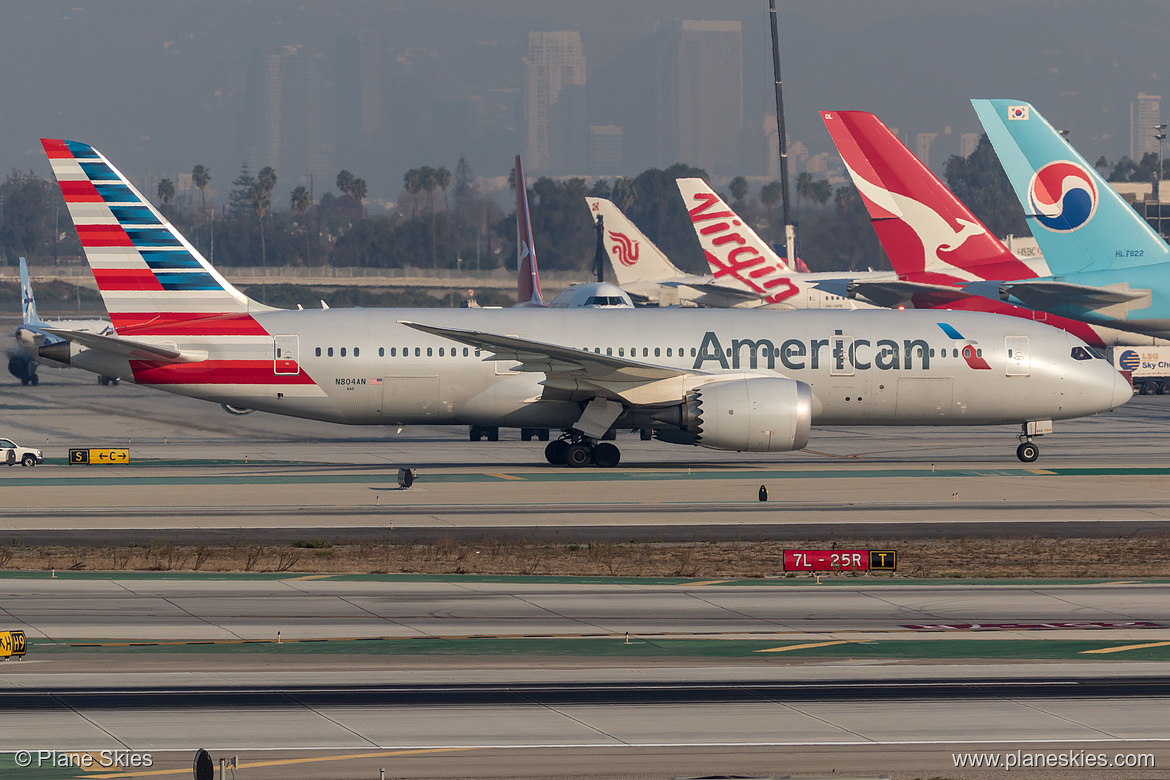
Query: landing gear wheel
{"x": 1027, "y": 452}
{"x": 646, "y": 434}
{"x": 493, "y": 434}
{"x": 475, "y": 433}
{"x": 554, "y": 453}
{"x": 579, "y": 455}
{"x": 543, "y": 434}
{"x": 35, "y": 380}
{"x": 606, "y": 455}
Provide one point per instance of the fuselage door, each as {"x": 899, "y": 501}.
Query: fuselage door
{"x": 286, "y": 355}
{"x": 1018, "y": 363}
{"x": 841, "y": 351}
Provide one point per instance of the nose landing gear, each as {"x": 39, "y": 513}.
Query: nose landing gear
{"x": 1027, "y": 451}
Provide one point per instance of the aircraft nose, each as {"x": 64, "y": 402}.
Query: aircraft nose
{"x": 1122, "y": 390}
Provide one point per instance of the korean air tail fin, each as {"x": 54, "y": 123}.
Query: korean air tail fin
{"x": 528, "y": 275}
{"x": 28, "y": 304}
{"x": 1080, "y": 222}
{"x": 150, "y": 277}
{"x": 928, "y": 234}
{"x": 633, "y": 257}
{"x": 737, "y": 256}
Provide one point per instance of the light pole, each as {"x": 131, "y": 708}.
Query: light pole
{"x": 1161, "y": 136}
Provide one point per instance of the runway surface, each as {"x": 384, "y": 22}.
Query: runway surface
{"x": 525, "y": 677}
{"x": 206, "y": 474}
{"x": 488, "y": 677}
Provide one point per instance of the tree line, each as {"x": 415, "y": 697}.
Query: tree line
{"x": 443, "y": 220}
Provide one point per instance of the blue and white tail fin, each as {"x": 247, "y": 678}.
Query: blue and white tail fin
{"x": 150, "y": 277}
{"x": 28, "y": 304}
{"x": 527, "y": 274}
{"x": 1080, "y": 222}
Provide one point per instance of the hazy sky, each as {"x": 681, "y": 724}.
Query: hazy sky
{"x": 158, "y": 85}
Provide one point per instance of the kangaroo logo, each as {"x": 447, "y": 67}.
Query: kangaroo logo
{"x": 625, "y": 249}
{"x": 1062, "y": 196}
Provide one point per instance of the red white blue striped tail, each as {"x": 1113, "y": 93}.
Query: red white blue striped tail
{"x": 153, "y": 281}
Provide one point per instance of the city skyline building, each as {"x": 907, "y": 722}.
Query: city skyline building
{"x": 710, "y": 94}
{"x": 555, "y": 60}
{"x": 283, "y": 125}
{"x": 1144, "y": 114}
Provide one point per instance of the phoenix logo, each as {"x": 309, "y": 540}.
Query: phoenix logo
{"x": 625, "y": 249}
{"x": 1062, "y": 196}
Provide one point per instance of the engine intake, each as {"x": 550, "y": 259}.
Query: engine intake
{"x": 745, "y": 414}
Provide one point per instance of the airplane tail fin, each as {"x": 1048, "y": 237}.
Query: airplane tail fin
{"x": 928, "y": 234}
{"x": 1080, "y": 222}
{"x": 150, "y": 277}
{"x": 528, "y": 276}
{"x": 28, "y": 304}
{"x": 633, "y": 257}
{"x": 737, "y": 256}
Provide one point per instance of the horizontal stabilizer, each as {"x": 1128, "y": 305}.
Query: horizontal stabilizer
{"x": 1051, "y": 295}
{"x": 895, "y": 292}
{"x": 710, "y": 288}
{"x": 553, "y": 358}
{"x": 127, "y": 348}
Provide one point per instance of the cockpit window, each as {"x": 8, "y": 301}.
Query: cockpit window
{"x": 1085, "y": 353}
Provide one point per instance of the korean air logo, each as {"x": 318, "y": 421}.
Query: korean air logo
{"x": 1062, "y": 196}
{"x": 1130, "y": 360}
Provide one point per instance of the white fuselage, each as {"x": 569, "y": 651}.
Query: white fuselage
{"x": 875, "y": 367}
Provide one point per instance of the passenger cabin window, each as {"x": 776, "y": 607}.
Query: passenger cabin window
{"x": 657, "y": 352}
{"x": 441, "y": 352}
{"x": 330, "y": 352}
{"x": 355, "y": 351}
{"x": 382, "y": 352}
{"x": 668, "y": 351}
{"x": 318, "y": 352}
{"x": 418, "y": 351}
{"x": 343, "y": 351}
{"x": 465, "y": 352}
{"x": 429, "y": 352}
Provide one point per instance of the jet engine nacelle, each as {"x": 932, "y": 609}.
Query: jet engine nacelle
{"x": 750, "y": 414}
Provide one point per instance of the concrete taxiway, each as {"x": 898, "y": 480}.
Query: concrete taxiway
{"x": 197, "y": 470}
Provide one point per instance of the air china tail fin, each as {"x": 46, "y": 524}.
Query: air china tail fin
{"x": 928, "y": 234}
{"x": 149, "y": 276}
{"x": 528, "y": 276}
{"x": 633, "y": 257}
{"x": 28, "y": 304}
{"x": 737, "y": 257}
{"x": 1080, "y": 222}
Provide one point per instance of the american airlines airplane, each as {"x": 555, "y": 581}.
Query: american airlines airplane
{"x": 749, "y": 381}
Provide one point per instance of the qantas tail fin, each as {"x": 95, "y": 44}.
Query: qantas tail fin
{"x": 28, "y": 304}
{"x": 150, "y": 277}
{"x": 528, "y": 275}
{"x": 738, "y": 258}
{"x": 1079, "y": 221}
{"x": 928, "y": 234}
{"x": 633, "y": 257}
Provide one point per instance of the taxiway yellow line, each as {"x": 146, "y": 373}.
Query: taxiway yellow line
{"x": 290, "y": 761}
{"x": 1104, "y": 650}
{"x": 309, "y": 577}
{"x": 506, "y": 476}
{"x": 806, "y": 647}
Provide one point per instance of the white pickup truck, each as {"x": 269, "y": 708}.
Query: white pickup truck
{"x": 12, "y": 453}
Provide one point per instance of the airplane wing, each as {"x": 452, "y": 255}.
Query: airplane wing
{"x": 128, "y": 348}
{"x": 1046, "y": 296}
{"x": 554, "y": 358}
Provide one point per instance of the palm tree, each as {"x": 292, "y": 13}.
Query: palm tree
{"x": 412, "y": 183}
{"x": 804, "y": 185}
{"x": 260, "y": 197}
{"x": 345, "y": 182}
{"x": 166, "y": 191}
{"x": 443, "y": 179}
{"x": 739, "y": 189}
{"x": 201, "y": 177}
{"x": 429, "y": 182}
{"x": 624, "y": 192}
{"x": 770, "y": 196}
{"x": 358, "y": 191}
{"x": 301, "y": 203}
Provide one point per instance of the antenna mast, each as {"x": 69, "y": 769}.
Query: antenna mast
{"x": 789, "y": 230}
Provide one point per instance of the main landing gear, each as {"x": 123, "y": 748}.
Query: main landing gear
{"x": 579, "y": 451}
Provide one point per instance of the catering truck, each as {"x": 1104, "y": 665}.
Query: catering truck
{"x": 1148, "y": 368}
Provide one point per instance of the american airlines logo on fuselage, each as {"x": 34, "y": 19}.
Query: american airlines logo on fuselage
{"x": 844, "y": 351}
